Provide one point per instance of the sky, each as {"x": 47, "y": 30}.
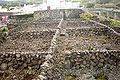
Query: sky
{"x": 9, "y": 0}
{"x": 6, "y": 0}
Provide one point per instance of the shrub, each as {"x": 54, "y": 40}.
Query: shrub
{"x": 70, "y": 77}
{"x": 108, "y": 6}
{"x": 90, "y": 5}
{"x": 111, "y": 17}
{"x": 101, "y": 76}
{"x": 114, "y": 22}
{"x": 25, "y": 16}
{"x": 105, "y": 21}
{"x": 118, "y": 5}
{"x": 105, "y": 6}
{"x": 86, "y": 15}
{"x": 4, "y": 29}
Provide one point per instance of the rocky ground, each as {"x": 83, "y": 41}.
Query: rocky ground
{"x": 27, "y": 41}
{"x": 84, "y": 43}
{"x": 40, "y": 26}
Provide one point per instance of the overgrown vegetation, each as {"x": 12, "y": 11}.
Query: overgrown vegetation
{"x": 118, "y": 5}
{"x": 111, "y": 22}
{"x": 4, "y": 29}
{"x": 114, "y": 22}
{"x": 90, "y": 5}
{"x": 7, "y": 4}
{"x": 70, "y": 77}
{"x": 105, "y": 6}
{"x": 101, "y": 76}
{"x": 107, "y": 1}
{"x": 10, "y": 4}
{"x": 25, "y": 16}
{"x": 86, "y": 15}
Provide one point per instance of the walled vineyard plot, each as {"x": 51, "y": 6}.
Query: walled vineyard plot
{"x": 27, "y": 41}
{"x": 91, "y": 50}
{"x": 24, "y": 53}
{"x": 42, "y": 26}
{"x": 78, "y": 23}
{"x": 89, "y": 38}
{"x": 76, "y": 46}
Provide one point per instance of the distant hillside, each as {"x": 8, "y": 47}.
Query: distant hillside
{"x": 108, "y": 1}
{"x": 115, "y": 1}
{"x": 30, "y": 1}
{"x": 99, "y": 1}
{"x": 2, "y": 1}
{"x": 7, "y": 4}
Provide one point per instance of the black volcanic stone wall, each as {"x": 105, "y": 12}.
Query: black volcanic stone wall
{"x": 97, "y": 60}
{"x": 57, "y": 14}
{"x": 87, "y": 31}
{"x": 41, "y": 34}
{"x": 98, "y": 31}
{"x": 21, "y": 60}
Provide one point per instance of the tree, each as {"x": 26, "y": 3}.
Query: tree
{"x": 29, "y": 1}
{"x": 90, "y": 5}
{"x": 103, "y": 1}
{"x": 118, "y": 5}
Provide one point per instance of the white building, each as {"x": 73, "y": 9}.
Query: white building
{"x": 3, "y": 9}
{"x": 53, "y": 4}
{"x": 25, "y": 8}
{"x": 59, "y": 4}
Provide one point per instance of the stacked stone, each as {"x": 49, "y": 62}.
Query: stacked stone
{"x": 86, "y": 64}
{"x": 21, "y": 60}
{"x": 95, "y": 60}
{"x": 108, "y": 31}
{"x": 53, "y": 41}
{"x": 2, "y": 37}
{"x": 41, "y": 26}
{"x": 102, "y": 25}
{"x": 47, "y": 68}
{"x": 86, "y": 32}
{"x": 117, "y": 29}
{"x": 42, "y": 34}
{"x": 57, "y": 14}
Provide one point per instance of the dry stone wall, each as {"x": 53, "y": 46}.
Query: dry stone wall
{"x": 21, "y": 60}
{"x": 86, "y": 31}
{"x": 88, "y": 64}
{"x": 115, "y": 36}
{"x": 94, "y": 60}
{"x": 42, "y": 26}
{"x": 57, "y": 14}
{"x": 2, "y": 37}
{"x": 117, "y": 29}
{"x": 95, "y": 32}
{"x": 42, "y": 34}
{"x": 62, "y": 62}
